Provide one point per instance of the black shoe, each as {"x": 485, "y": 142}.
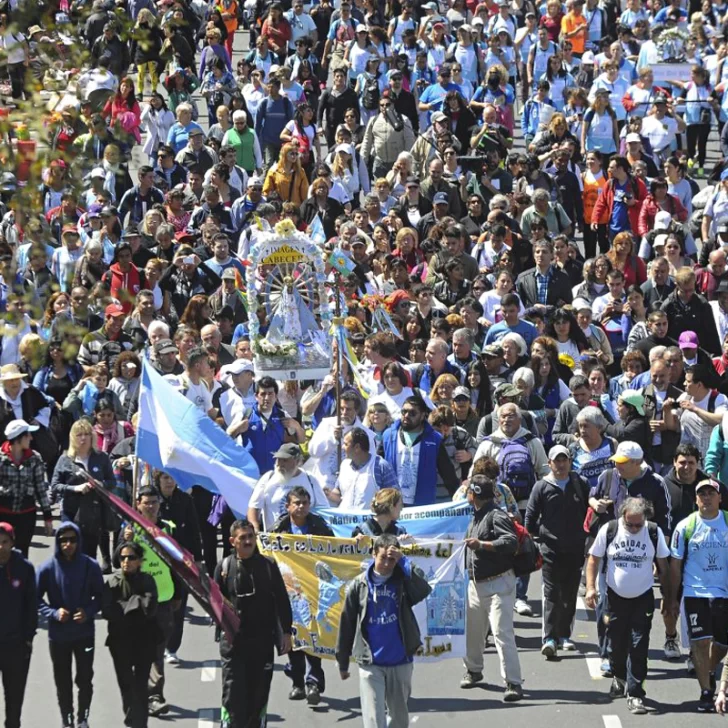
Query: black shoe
{"x": 68, "y": 721}
{"x": 513, "y": 693}
{"x": 706, "y": 703}
{"x": 313, "y": 694}
{"x": 471, "y": 679}
{"x": 617, "y": 688}
{"x": 297, "y": 694}
{"x": 635, "y": 705}
{"x": 158, "y": 707}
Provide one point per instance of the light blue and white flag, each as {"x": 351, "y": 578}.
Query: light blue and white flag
{"x": 177, "y": 437}
{"x": 439, "y": 521}
{"x": 316, "y": 229}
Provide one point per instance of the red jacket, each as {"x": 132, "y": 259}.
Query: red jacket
{"x": 650, "y": 208}
{"x": 124, "y": 286}
{"x": 605, "y": 202}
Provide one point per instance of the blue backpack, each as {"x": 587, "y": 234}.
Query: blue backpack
{"x": 516, "y": 466}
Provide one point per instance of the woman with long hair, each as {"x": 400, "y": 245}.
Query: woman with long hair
{"x": 552, "y": 20}
{"x": 197, "y": 313}
{"x": 124, "y": 113}
{"x": 156, "y": 120}
{"x": 675, "y": 254}
{"x": 310, "y": 84}
{"x": 220, "y": 179}
{"x": 357, "y": 54}
{"x": 443, "y": 389}
{"x": 461, "y": 118}
{"x": 58, "y": 302}
{"x": 657, "y": 200}
{"x": 437, "y": 44}
{"x": 677, "y": 185}
{"x": 560, "y": 79}
{"x": 599, "y": 130}
{"x": 397, "y": 389}
{"x": 550, "y": 387}
{"x": 594, "y": 183}
{"x": 146, "y": 46}
{"x": 59, "y": 375}
{"x": 302, "y": 130}
{"x": 406, "y": 247}
{"x": 622, "y": 256}
{"x": 556, "y": 134}
{"x": 595, "y": 278}
{"x": 342, "y": 170}
{"x": 287, "y": 180}
{"x": 386, "y": 506}
{"x": 177, "y": 216}
{"x": 481, "y": 389}
{"x": 567, "y": 333}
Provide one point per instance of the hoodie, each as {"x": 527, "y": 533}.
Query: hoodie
{"x": 124, "y": 286}
{"x": 18, "y": 613}
{"x": 70, "y": 584}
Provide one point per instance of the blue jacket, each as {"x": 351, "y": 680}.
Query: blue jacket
{"x": 263, "y": 442}
{"x": 430, "y": 442}
{"x": 70, "y": 585}
{"x": 18, "y": 612}
{"x": 40, "y": 380}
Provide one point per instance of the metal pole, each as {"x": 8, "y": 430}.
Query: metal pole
{"x": 337, "y": 303}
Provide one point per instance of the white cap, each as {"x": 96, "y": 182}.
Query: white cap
{"x": 239, "y": 366}
{"x": 16, "y": 428}
{"x": 627, "y": 450}
{"x": 273, "y": 69}
{"x": 98, "y": 172}
{"x": 579, "y": 304}
{"x": 255, "y": 181}
{"x": 239, "y": 114}
{"x": 587, "y": 58}
{"x": 662, "y": 220}
{"x": 346, "y": 148}
{"x": 633, "y": 137}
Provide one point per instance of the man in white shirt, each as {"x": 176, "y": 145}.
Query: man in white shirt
{"x": 661, "y": 129}
{"x": 362, "y": 474}
{"x": 302, "y": 25}
{"x": 268, "y": 501}
{"x": 700, "y": 409}
{"x": 323, "y": 448}
{"x": 720, "y": 309}
{"x": 234, "y": 402}
{"x": 192, "y": 383}
{"x": 630, "y": 545}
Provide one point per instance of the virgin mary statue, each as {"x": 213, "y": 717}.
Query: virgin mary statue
{"x": 292, "y": 319}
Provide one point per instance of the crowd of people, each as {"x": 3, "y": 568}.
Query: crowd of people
{"x": 553, "y": 349}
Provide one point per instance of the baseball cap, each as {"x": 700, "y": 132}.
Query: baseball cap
{"x": 492, "y": 350}
{"x": 587, "y": 59}
{"x": 165, "y": 346}
{"x": 345, "y": 148}
{"x": 627, "y": 450}
{"x": 660, "y": 99}
{"x": 255, "y": 181}
{"x": 358, "y": 240}
{"x": 7, "y": 529}
{"x": 633, "y": 137}
{"x": 412, "y": 181}
{"x": 239, "y": 366}
{"x": 16, "y": 428}
{"x": 195, "y": 132}
{"x": 579, "y": 304}
{"x": 506, "y": 389}
{"x": 69, "y": 229}
{"x": 441, "y": 198}
{"x": 438, "y": 116}
{"x": 722, "y": 288}
{"x": 289, "y": 450}
{"x": 663, "y": 220}
{"x": 114, "y": 309}
{"x": 634, "y": 398}
{"x": 461, "y": 392}
{"x": 228, "y": 274}
{"x": 557, "y": 450}
{"x": 707, "y": 483}
{"x": 688, "y": 340}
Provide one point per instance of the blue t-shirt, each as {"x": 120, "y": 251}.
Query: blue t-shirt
{"x": 435, "y": 94}
{"x": 383, "y": 631}
{"x": 705, "y": 570}
{"x": 590, "y": 465}
{"x": 526, "y": 329}
{"x": 619, "y": 221}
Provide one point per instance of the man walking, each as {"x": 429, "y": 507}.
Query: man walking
{"x": 492, "y": 543}
{"x": 379, "y": 630}
{"x": 555, "y": 513}
{"x": 629, "y": 546}
{"x": 70, "y": 589}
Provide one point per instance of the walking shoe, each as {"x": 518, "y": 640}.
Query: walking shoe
{"x": 171, "y": 658}
{"x": 550, "y": 649}
{"x": 617, "y": 688}
{"x": 313, "y": 694}
{"x": 672, "y": 648}
{"x": 82, "y": 724}
{"x": 636, "y": 706}
{"x": 606, "y": 668}
{"x": 513, "y": 693}
{"x": 68, "y": 721}
{"x": 706, "y": 704}
{"x": 470, "y": 679}
{"x": 690, "y": 666}
{"x": 158, "y": 707}
{"x": 701, "y": 173}
{"x": 691, "y": 163}
{"x": 297, "y": 694}
{"x": 567, "y": 644}
{"x": 522, "y": 607}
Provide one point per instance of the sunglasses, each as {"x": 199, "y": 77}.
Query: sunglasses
{"x": 128, "y": 557}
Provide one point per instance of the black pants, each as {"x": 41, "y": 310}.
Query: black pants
{"x": 698, "y": 134}
{"x": 178, "y": 625}
{"x": 17, "y": 79}
{"x": 628, "y": 632}
{"x": 561, "y": 576}
{"x": 62, "y": 656}
{"x": 24, "y": 525}
{"x": 305, "y": 669}
{"x": 14, "y": 666}
{"x": 592, "y": 237}
{"x": 132, "y": 667}
{"x": 165, "y": 620}
{"x": 203, "y": 502}
{"x": 247, "y": 673}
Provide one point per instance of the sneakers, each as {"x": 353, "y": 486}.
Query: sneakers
{"x": 617, "y": 688}
{"x": 171, "y": 658}
{"x": 701, "y": 173}
{"x": 513, "y": 693}
{"x": 690, "y": 666}
{"x": 606, "y": 669}
{"x": 567, "y": 645}
{"x": 67, "y": 721}
{"x": 521, "y": 606}
{"x": 470, "y": 679}
{"x": 691, "y": 164}
{"x": 672, "y": 648}
{"x": 158, "y": 707}
{"x": 636, "y": 706}
{"x": 297, "y": 694}
{"x": 313, "y": 694}
{"x": 550, "y": 649}
{"x": 706, "y": 704}
{"x": 82, "y": 724}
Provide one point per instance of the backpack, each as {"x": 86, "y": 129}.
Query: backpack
{"x": 516, "y": 467}
{"x": 528, "y": 557}
{"x": 612, "y": 532}
{"x": 370, "y": 94}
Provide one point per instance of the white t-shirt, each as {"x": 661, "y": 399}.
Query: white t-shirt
{"x": 199, "y": 394}
{"x": 269, "y": 494}
{"x": 693, "y": 430}
{"x": 629, "y": 559}
{"x": 660, "y": 132}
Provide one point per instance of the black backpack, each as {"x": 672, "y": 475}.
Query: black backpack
{"x": 370, "y": 94}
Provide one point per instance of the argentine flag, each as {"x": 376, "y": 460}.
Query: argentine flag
{"x": 175, "y": 436}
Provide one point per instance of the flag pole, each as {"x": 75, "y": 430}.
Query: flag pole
{"x": 337, "y": 302}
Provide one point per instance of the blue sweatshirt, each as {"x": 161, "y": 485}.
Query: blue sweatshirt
{"x": 272, "y": 117}
{"x": 381, "y": 622}
{"x": 71, "y": 585}
{"x": 18, "y": 615}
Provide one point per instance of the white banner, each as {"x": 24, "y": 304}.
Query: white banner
{"x": 663, "y": 73}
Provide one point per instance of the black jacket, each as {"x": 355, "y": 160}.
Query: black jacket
{"x": 559, "y": 288}
{"x": 131, "y": 616}
{"x": 636, "y": 430}
{"x": 179, "y": 509}
{"x": 697, "y": 316}
{"x": 315, "y": 525}
{"x": 405, "y": 104}
{"x": 332, "y": 109}
{"x": 498, "y": 529}
{"x": 309, "y": 210}
{"x": 18, "y": 601}
{"x": 556, "y": 516}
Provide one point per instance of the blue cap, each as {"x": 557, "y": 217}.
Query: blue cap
{"x": 724, "y": 174}
{"x": 441, "y": 198}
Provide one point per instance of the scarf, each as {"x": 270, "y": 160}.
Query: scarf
{"x": 107, "y": 439}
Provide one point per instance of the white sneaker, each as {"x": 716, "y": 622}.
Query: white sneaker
{"x": 522, "y": 607}
{"x": 171, "y": 658}
{"x": 672, "y": 648}
{"x": 567, "y": 644}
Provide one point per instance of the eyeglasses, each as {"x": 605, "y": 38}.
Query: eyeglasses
{"x": 128, "y": 557}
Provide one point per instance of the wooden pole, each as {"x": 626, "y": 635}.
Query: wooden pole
{"x": 337, "y": 304}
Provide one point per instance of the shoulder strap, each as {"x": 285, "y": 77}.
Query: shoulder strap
{"x": 711, "y": 401}
{"x": 690, "y": 529}
{"x": 652, "y": 533}
{"x": 612, "y": 527}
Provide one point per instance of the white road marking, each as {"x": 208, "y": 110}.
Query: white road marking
{"x": 414, "y": 718}
{"x": 209, "y": 671}
{"x": 206, "y": 719}
{"x": 594, "y": 663}
{"x": 582, "y": 612}
{"x": 612, "y": 721}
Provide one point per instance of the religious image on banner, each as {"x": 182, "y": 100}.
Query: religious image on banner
{"x": 318, "y": 570}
